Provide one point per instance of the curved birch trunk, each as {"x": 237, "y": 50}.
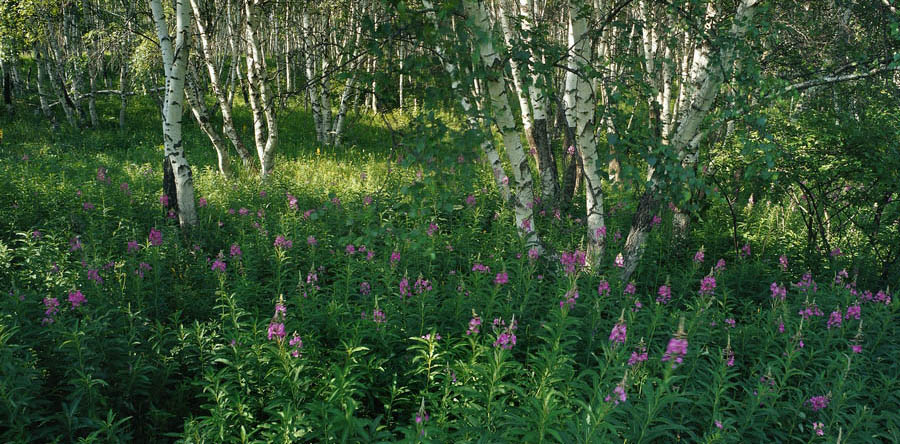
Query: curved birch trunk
{"x": 706, "y": 78}
{"x": 523, "y": 200}
{"x": 221, "y": 98}
{"x": 487, "y": 145}
{"x": 201, "y": 115}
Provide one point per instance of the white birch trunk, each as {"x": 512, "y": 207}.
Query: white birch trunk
{"x": 175, "y": 66}
{"x": 487, "y": 145}
{"x": 706, "y": 78}
{"x": 221, "y": 98}
{"x": 201, "y": 115}
{"x": 585, "y": 130}
{"x": 523, "y": 200}
{"x": 265, "y": 127}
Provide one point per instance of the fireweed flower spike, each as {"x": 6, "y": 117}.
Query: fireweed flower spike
{"x": 619, "y": 331}
{"x": 677, "y": 348}
{"x": 276, "y": 325}
{"x": 618, "y": 392}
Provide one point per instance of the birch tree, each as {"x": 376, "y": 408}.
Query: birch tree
{"x": 705, "y": 81}
{"x": 523, "y": 199}
{"x": 177, "y": 180}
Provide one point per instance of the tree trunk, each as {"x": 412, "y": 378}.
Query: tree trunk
{"x": 221, "y": 98}
{"x": 261, "y": 105}
{"x": 585, "y": 130}
{"x": 123, "y": 96}
{"x": 487, "y": 145}
{"x": 42, "y": 95}
{"x": 201, "y": 115}
{"x": 523, "y": 200}
{"x": 175, "y": 64}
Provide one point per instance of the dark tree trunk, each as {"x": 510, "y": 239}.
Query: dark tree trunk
{"x": 169, "y": 186}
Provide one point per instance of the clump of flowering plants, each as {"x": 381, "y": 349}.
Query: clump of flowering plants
{"x": 404, "y": 306}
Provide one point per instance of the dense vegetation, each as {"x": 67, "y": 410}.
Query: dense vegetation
{"x": 376, "y": 294}
{"x": 449, "y": 221}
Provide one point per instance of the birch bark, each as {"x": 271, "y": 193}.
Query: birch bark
{"x": 174, "y": 55}
{"x": 523, "y": 200}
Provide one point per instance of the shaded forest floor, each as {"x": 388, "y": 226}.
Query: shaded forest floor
{"x": 379, "y": 292}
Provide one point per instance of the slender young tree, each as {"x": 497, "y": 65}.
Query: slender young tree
{"x": 178, "y": 183}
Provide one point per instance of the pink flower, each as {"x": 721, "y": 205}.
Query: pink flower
{"x": 474, "y": 325}
{"x": 638, "y": 356}
{"x": 618, "y": 333}
{"x": 76, "y": 298}
{"x": 94, "y": 275}
{"x": 778, "y": 291}
{"x": 817, "y": 403}
{"x": 602, "y": 287}
{"x": 708, "y": 285}
{"x": 378, "y": 316}
{"x": 201, "y": 202}
{"x": 236, "y": 250}
{"x": 665, "y": 294}
{"x": 854, "y": 312}
{"x": 481, "y": 268}
{"x": 218, "y": 265}
{"x": 297, "y": 343}
{"x": 857, "y": 348}
{"x": 432, "y": 227}
{"x": 656, "y": 220}
{"x": 51, "y": 306}
{"x": 276, "y": 330}
{"x": 571, "y": 261}
{"x": 745, "y": 251}
{"x": 783, "y": 261}
{"x": 811, "y": 310}
{"x": 630, "y": 288}
{"x": 350, "y": 249}
{"x": 470, "y": 200}
{"x": 283, "y": 243}
{"x": 834, "y": 320}
{"x": 675, "y": 351}
{"x": 506, "y": 337}
{"x": 618, "y": 394}
{"x": 533, "y": 254}
{"x": 501, "y": 278}
{"x": 155, "y": 237}
{"x": 395, "y": 256}
{"x": 367, "y": 200}
{"x": 404, "y": 287}
{"x": 422, "y": 285}
{"x": 570, "y": 298}
{"x": 526, "y": 225}
{"x": 698, "y": 257}
{"x": 620, "y": 261}
{"x": 720, "y": 265}
{"x": 311, "y": 241}
{"x": 819, "y": 428}
{"x": 164, "y": 200}
{"x": 365, "y": 288}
